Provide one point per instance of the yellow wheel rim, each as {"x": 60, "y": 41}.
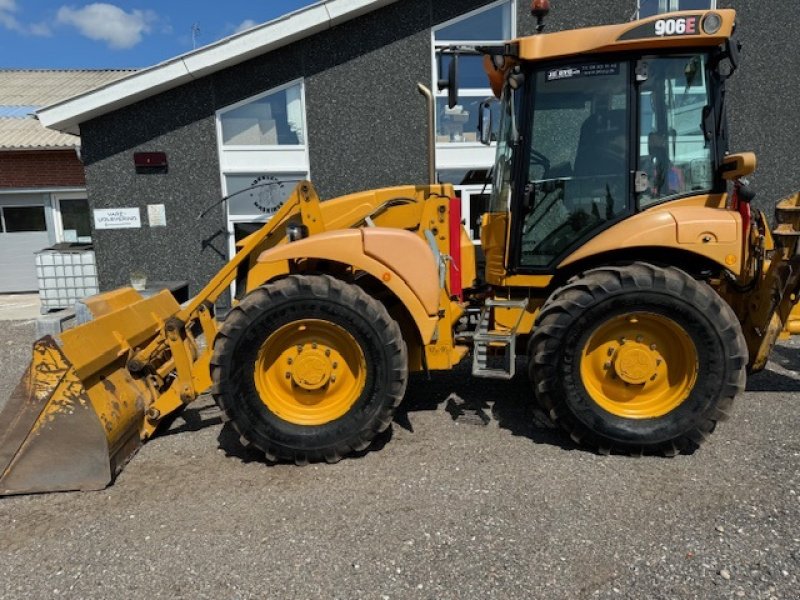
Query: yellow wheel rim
{"x": 310, "y": 372}
{"x": 639, "y": 365}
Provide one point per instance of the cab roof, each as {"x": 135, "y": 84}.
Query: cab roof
{"x": 671, "y": 30}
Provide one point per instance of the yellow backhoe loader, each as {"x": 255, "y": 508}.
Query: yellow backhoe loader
{"x": 621, "y": 255}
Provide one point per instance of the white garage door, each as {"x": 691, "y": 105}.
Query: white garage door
{"x": 23, "y": 232}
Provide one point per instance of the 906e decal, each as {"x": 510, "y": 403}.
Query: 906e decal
{"x": 678, "y": 26}
{"x": 668, "y": 27}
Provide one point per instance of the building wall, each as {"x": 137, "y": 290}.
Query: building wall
{"x": 572, "y": 14}
{"x": 764, "y": 110}
{"x": 367, "y": 124}
{"x": 41, "y": 168}
{"x": 181, "y": 123}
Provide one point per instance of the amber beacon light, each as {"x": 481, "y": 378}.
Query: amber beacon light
{"x": 540, "y": 9}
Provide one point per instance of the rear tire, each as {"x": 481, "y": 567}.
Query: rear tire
{"x": 309, "y": 368}
{"x": 664, "y": 392}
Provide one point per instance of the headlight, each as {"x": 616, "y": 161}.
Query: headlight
{"x": 296, "y": 232}
{"x": 712, "y": 23}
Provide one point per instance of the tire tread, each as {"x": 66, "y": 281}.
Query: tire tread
{"x": 589, "y": 288}
{"x": 260, "y": 300}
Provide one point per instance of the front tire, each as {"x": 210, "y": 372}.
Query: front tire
{"x": 637, "y": 359}
{"x": 309, "y": 368}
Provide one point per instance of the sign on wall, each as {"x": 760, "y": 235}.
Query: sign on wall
{"x": 156, "y": 215}
{"x": 117, "y": 218}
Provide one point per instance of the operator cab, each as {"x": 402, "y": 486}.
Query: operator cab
{"x": 585, "y": 128}
{"x": 585, "y": 142}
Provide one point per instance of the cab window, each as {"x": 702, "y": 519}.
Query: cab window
{"x": 674, "y": 152}
{"x": 579, "y": 171}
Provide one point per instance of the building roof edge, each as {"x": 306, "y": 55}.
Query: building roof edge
{"x": 68, "y": 114}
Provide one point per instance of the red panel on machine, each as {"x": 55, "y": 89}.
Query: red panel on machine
{"x": 455, "y": 248}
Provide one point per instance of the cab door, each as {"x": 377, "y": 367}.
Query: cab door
{"x": 578, "y": 173}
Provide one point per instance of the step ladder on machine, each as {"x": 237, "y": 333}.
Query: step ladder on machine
{"x": 484, "y": 359}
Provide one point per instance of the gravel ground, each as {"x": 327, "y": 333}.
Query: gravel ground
{"x": 465, "y": 498}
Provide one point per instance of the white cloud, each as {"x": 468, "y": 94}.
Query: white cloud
{"x": 108, "y": 23}
{"x": 8, "y": 19}
{"x": 39, "y": 29}
{"x": 246, "y": 24}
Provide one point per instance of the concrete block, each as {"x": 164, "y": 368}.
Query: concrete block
{"x": 54, "y": 323}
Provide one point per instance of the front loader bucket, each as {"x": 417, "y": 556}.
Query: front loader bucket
{"x": 76, "y": 417}
{"x": 53, "y": 440}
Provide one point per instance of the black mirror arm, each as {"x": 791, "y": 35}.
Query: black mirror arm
{"x": 733, "y": 50}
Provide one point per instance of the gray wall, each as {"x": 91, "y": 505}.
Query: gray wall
{"x": 365, "y": 117}
{"x": 764, "y": 110}
{"x": 179, "y": 123}
{"x": 367, "y": 124}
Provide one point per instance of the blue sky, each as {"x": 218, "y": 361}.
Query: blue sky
{"x": 70, "y": 34}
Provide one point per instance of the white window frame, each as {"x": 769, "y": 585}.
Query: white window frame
{"x": 39, "y": 197}
{"x": 25, "y": 203}
{"x": 58, "y": 223}
{"x": 668, "y": 6}
{"x": 465, "y": 155}
{"x": 281, "y": 88}
{"x": 260, "y": 160}
{"x": 467, "y": 191}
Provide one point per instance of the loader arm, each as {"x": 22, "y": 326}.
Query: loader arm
{"x": 175, "y": 349}
{"x": 89, "y": 400}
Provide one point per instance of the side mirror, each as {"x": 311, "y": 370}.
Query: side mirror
{"x": 485, "y": 122}
{"x": 736, "y": 166}
{"x": 451, "y": 83}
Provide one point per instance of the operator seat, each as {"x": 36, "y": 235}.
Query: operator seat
{"x": 601, "y": 165}
{"x": 601, "y": 147}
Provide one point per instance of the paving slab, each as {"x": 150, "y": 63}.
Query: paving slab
{"x": 19, "y": 307}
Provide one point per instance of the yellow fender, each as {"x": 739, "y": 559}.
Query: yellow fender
{"x": 711, "y": 232}
{"x": 399, "y": 259}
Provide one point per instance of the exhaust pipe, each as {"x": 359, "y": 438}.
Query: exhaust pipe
{"x": 431, "y": 104}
